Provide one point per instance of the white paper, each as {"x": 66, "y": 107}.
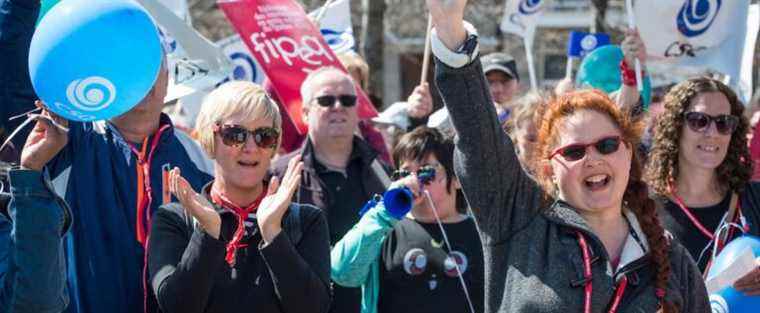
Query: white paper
{"x": 742, "y": 265}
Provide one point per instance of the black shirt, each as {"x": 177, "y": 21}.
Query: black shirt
{"x": 417, "y": 272}
{"x": 347, "y": 197}
{"x": 678, "y": 224}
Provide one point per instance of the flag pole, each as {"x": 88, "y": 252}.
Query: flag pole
{"x": 426, "y": 53}
{"x": 322, "y": 12}
{"x": 632, "y": 25}
{"x": 531, "y": 65}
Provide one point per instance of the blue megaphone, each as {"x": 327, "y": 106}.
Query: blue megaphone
{"x": 94, "y": 60}
{"x": 729, "y": 299}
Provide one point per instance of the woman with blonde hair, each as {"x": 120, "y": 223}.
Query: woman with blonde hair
{"x": 240, "y": 243}
{"x": 599, "y": 246}
{"x": 700, "y": 167}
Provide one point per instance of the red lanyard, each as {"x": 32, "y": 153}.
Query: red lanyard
{"x": 144, "y": 190}
{"x": 242, "y": 214}
{"x": 710, "y": 235}
{"x": 588, "y": 277}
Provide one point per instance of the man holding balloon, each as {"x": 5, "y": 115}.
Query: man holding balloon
{"x": 99, "y": 68}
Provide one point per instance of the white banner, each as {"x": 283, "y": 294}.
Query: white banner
{"x": 194, "y": 62}
{"x": 335, "y": 26}
{"x": 244, "y": 64}
{"x": 692, "y": 37}
{"x": 520, "y": 16}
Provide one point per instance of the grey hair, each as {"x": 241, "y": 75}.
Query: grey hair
{"x": 307, "y": 87}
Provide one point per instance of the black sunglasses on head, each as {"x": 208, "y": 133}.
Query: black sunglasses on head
{"x": 425, "y": 174}
{"x": 576, "y": 151}
{"x": 699, "y": 122}
{"x": 236, "y": 135}
{"x": 328, "y": 100}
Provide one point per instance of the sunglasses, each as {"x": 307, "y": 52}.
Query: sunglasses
{"x": 236, "y": 135}
{"x": 699, "y": 122}
{"x": 576, "y": 151}
{"x": 425, "y": 174}
{"x": 328, "y": 100}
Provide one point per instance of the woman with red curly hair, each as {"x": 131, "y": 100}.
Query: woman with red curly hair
{"x": 599, "y": 247}
{"x": 700, "y": 168}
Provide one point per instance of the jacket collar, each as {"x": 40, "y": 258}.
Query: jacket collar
{"x": 163, "y": 120}
{"x": 635, "y": 247}
{"x": 360, "y": 149}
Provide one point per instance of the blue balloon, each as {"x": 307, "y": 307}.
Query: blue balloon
{"x": 600, "y": 69}
{"x": 94, "y": 60}
{"x": 729, "y": 299}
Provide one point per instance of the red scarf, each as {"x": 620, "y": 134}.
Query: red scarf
{"x": 241, "y": 213}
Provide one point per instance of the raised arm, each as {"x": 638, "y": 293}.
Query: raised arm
{"x": 501, "y": 195}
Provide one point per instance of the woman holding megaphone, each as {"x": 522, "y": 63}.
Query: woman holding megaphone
{"x": 700, "y": 168}
{"x": 599, "y": 247}
{"x": 412, "y": 250}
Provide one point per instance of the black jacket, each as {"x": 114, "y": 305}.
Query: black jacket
{"x": 188, "y": 271}
{"x": 313, "y": 190}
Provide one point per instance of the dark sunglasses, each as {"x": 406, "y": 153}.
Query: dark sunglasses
{"x": 236, "y": 136}
{"x": 425, "y": 174}
{"x": 576, "y": 151}
{"x": 699, "y": 122}
{"x": 328, "y": 100}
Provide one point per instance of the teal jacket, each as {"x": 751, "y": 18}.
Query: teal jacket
{"x": 355, "y": 258}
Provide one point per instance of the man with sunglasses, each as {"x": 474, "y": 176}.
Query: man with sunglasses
{"x": 340, "y": 170}
{"x": 113, "y": 175}
{"x": 413, "y": 262}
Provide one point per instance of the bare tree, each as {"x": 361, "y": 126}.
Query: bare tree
{"x": 372, "y": 42}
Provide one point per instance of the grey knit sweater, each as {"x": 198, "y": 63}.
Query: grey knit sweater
{"x": 533, "y": 262}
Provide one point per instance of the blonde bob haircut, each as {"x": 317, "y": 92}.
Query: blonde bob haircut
{"x": 240, "y": 99}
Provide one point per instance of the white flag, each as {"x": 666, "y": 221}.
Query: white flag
{"x": 198, "y": 65}
{"x": 244, "y": 64}
{"x": 690, "y": 37}
{"x": 335, "y": 26}
{"x": 521, "y": 16}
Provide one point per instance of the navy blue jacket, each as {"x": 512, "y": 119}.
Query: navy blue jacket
{"x": 97, "y": 173}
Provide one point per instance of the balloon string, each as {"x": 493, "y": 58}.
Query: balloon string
{"x": 32, "y": 117}
{"x": 448, "y": 244}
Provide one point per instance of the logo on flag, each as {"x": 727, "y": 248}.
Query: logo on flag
{"x": 580, "y": 43}
{"x": 696, "y": 16}
{"x": 244, "y": 66}
{"x": 529, "y": 7}
{"x": 336, "y": 27}
{"x": 339, "y": 41}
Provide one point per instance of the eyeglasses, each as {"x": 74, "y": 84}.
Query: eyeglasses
{"x": 236, "y": 135}
{"x": 328, "y": 100}
{"x": 576, "y": 151}
{"x": 425, "y": 174}
{"x": 699, "y": 122}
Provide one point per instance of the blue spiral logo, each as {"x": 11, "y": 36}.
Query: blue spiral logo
{"x": 245, "y": 68}
{"x": 338, "y": 41}
{"x": 529, "y": 7}
{"x": 91, "y": 94}
{"x": 718, "y": 304}
{"x": 696, "y": 16}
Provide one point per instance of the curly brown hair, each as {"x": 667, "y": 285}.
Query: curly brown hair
{"x": 636, "y": 196}
{"x": 662, "y": 169}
